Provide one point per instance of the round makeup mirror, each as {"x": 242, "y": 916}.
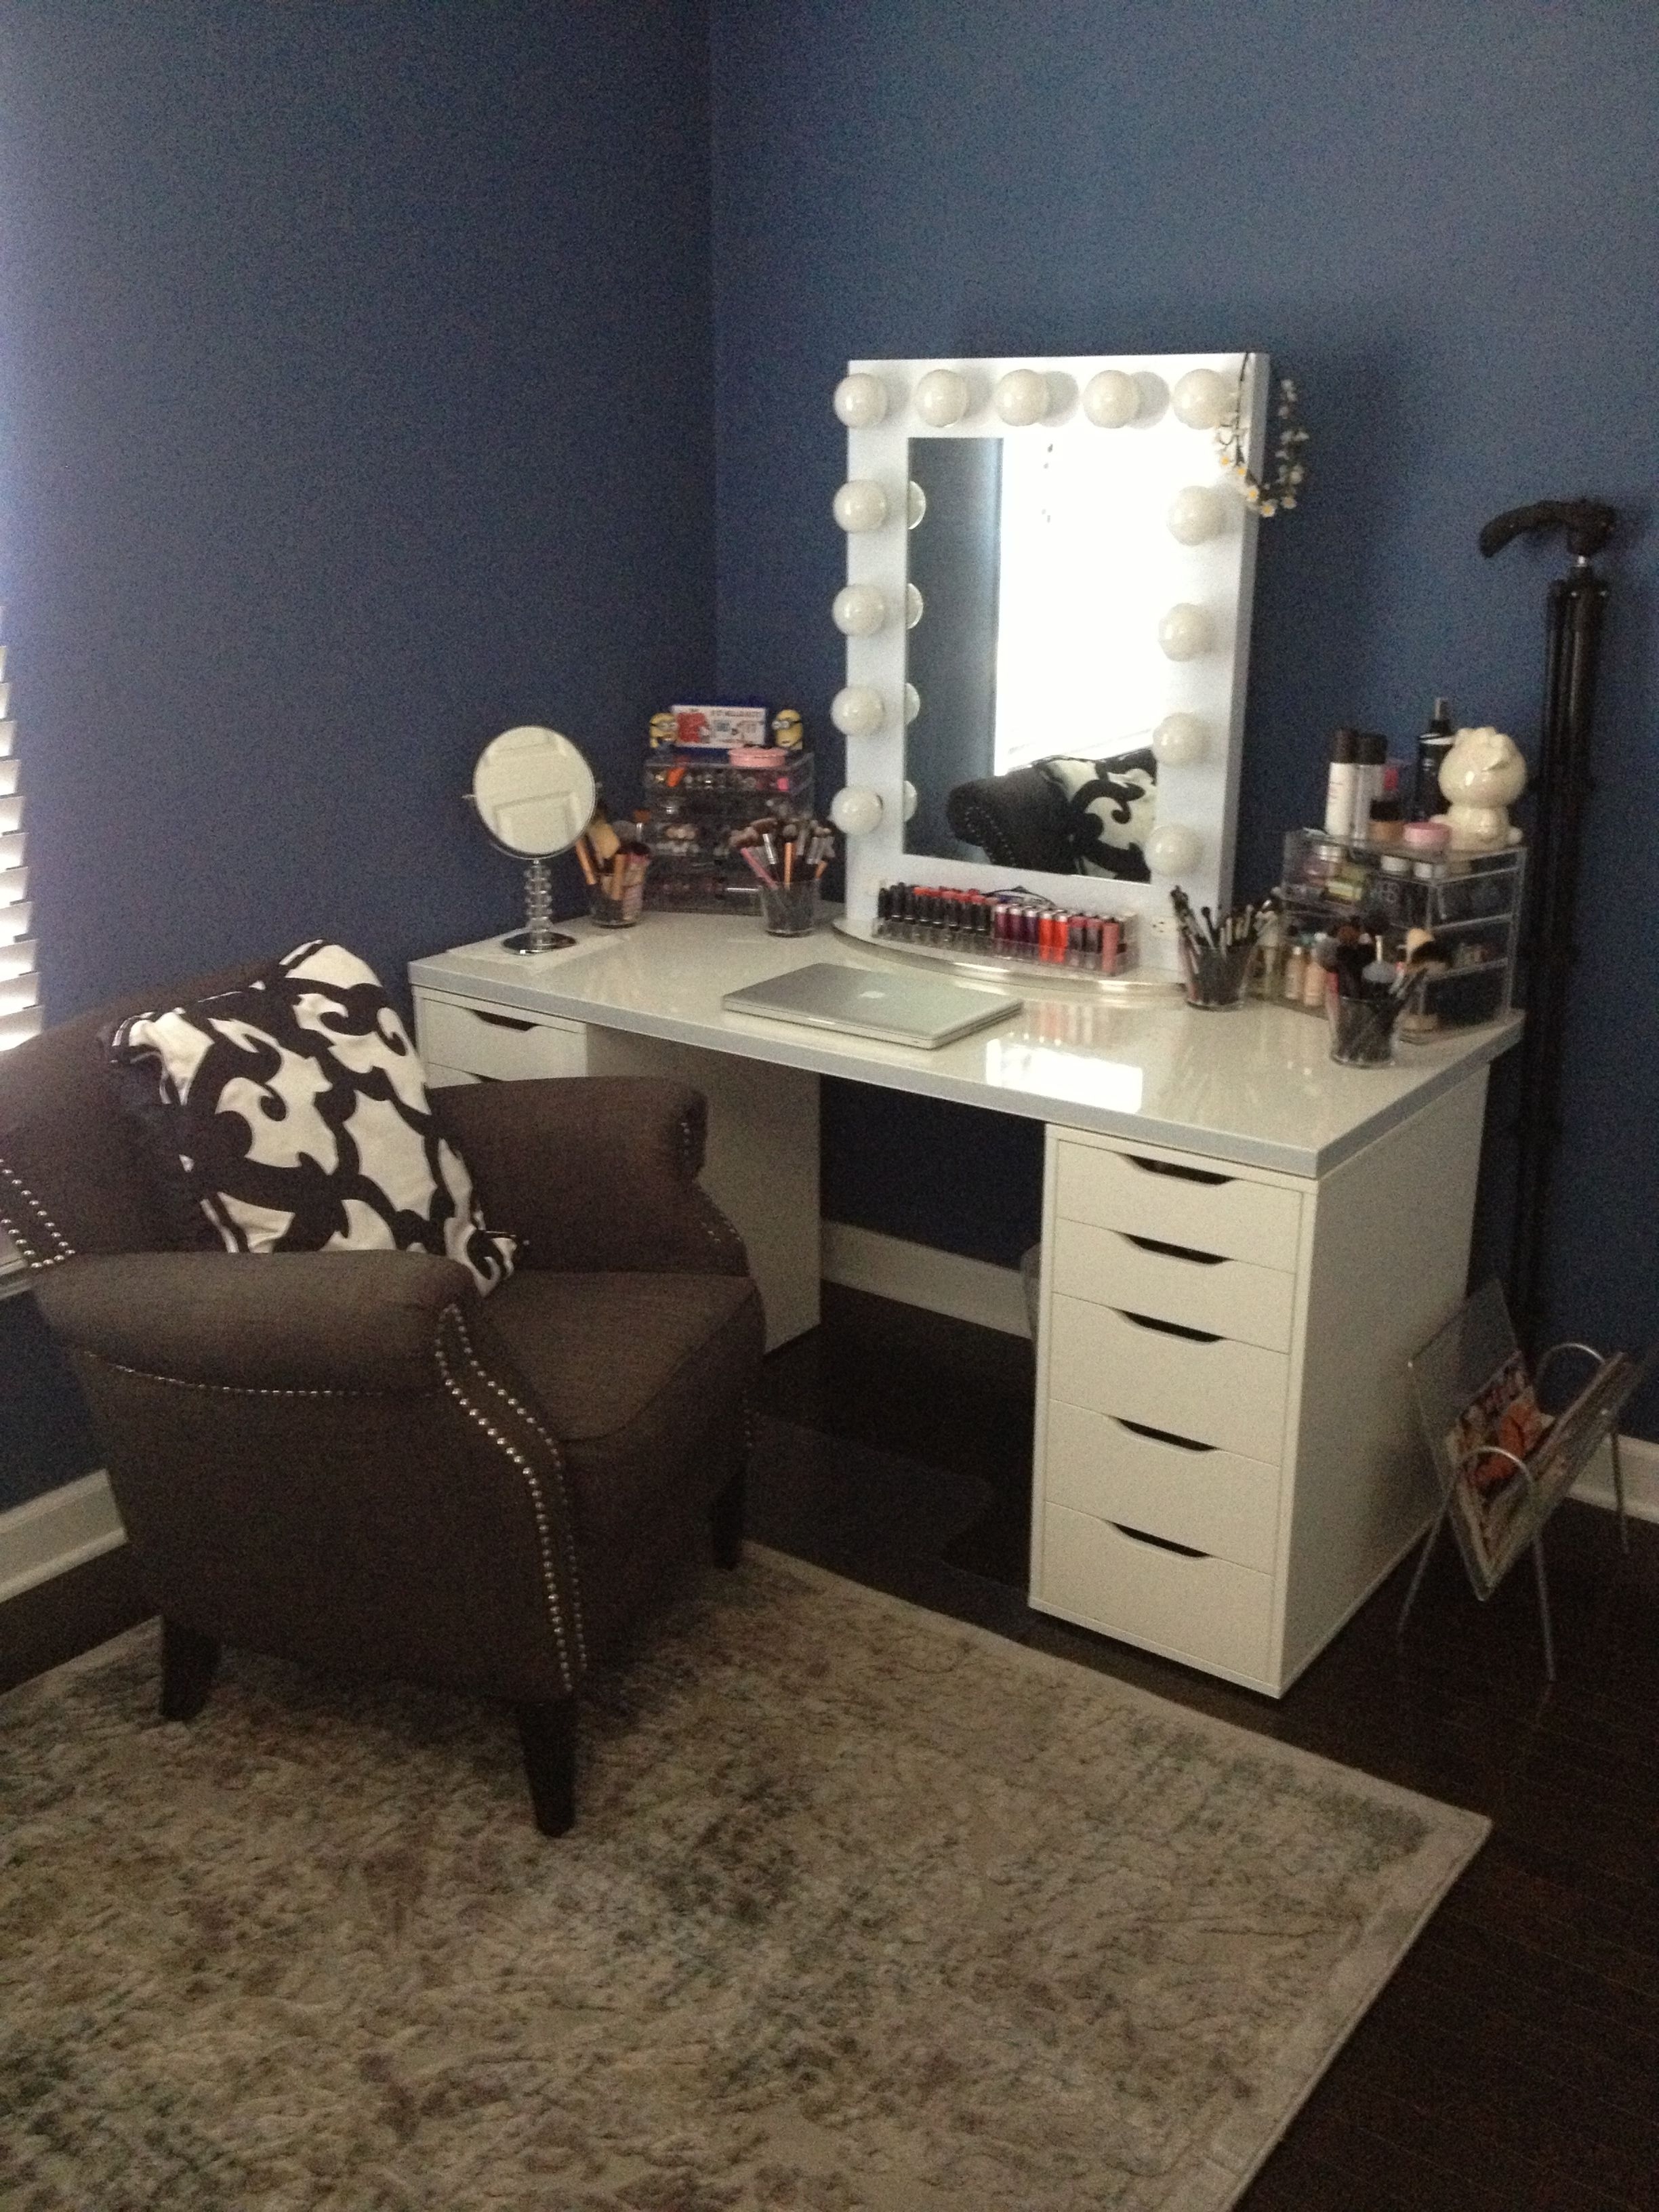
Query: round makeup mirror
{"x": 535, "y": 795}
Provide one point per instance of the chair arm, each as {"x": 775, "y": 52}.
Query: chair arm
{"x": 593, "y": 1175}
{"x": 284, "y": 1320}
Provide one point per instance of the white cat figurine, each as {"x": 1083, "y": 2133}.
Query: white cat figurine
{"x": 1481, "y": 777}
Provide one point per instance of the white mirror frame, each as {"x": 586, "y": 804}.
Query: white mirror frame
{"x": 1217, "y": 576}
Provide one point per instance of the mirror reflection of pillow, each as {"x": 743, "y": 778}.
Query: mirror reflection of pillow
{"x": 1111, "y": 807}
{"x": 293, "y": 1116}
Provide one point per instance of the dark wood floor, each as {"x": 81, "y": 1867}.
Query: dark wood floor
{"x": 1512, "y": 2062}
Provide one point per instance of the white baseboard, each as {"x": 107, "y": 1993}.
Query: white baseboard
{"x": 917, "y": 1275}
{"x": 1640, "y": 1462}
{"x": 970, "y": 1290}
{"x": 52, "y": 1533}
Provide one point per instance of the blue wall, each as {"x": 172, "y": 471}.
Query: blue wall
{"x": 1442, "y": 216}
{"x": 355, "y": 365}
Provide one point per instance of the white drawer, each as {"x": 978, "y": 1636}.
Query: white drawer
{"x": 1229, "y": 1297}
{"x": 499, "y": 1040}
{"x": 1206, "y": 1209}
{"x": 1216, "y": 1392}
{"x": 444, "y": 1079}
{"x": 1190, "y": 1493}
{"x": 1210, "y": 1613}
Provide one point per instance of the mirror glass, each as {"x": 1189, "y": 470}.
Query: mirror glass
{"x": 534, "y": 792}
{"x": 1049, "y": 578}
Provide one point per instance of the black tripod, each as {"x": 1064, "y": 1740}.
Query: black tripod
{"x": 1561, "y": 785}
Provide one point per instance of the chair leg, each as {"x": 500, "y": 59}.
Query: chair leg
{"x": 188, "y": 1662}
{"x": 726, "y": 1521}
{"x": 547, "y": 1734}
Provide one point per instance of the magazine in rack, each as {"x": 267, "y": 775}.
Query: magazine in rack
{"x": 1481, "y": 1414}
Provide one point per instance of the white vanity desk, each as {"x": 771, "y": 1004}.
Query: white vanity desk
{"x": 1242, "y": 1245}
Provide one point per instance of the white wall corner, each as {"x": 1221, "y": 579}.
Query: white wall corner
{"x": 1640, "y": 1462}
{"x": 50, "y": 1535}
{"x": 918, "y": 1275}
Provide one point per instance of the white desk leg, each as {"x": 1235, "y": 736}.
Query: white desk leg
{"x": 761, "y": 1169}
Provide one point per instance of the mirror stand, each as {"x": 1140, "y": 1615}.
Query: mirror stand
{"x": 539, "y": 934}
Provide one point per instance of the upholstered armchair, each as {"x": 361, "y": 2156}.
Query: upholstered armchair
{"x": 353, "y": 1460}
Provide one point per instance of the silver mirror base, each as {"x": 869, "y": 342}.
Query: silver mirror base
{"x": 1139, "y": 987}
{"x": 524, "y": 941}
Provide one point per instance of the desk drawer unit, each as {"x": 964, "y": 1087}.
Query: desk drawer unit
{"x": 1170, "y": 1319}
{"x": 496, "y": 1043}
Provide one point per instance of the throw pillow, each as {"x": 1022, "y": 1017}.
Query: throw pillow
{"x": 1111, "y": 806}
{"x": 293, "y": 1116}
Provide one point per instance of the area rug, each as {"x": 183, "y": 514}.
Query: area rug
{"x": 864, "y": 1912}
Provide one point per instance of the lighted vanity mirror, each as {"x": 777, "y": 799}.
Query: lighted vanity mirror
{"x": 1046, "y": 615}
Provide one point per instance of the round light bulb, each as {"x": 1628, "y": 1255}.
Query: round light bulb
{"x": 911, "y": 800}
{"x": 1111, "y": 399}
{"x": 1196, "y": 514}
{"x": 1200, "y": 399}
{"x": 855, "y": 810}
{"x": 1184, "y": 632}
{"x": 942, "y": 397}
{"x": 860, "y": 505}
{"x": 1022, "y": 397}
{"x": 860, "y": 400}
{"x": 912, "y": 703}
{"x": 913, "y": 606}
{"x": 1173, "y": 849}
{"x": 1179, "y": 740}
{"x": 915, "y": 504}
{"x": 857, "y": 712}
{"x": 858, "y": 612}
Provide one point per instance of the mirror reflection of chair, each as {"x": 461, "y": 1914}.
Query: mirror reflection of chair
{"x": 1069, "y": 816}
{"x": 351, "y": 1459}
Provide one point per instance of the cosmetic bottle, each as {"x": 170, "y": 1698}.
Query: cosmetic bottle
{"x": 1296, "y": 963}
{"x": 1342, "y": 784}
{"x": 1371, "y": 757}
{"x": 1432, "y": 747}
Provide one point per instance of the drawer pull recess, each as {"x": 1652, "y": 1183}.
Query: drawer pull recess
{"x": 1162, "y": 1543}
{"x": 499, "y": 1020}
{"x": 1176, "y": 1251}
{"x": 1173, "y": 1327}
{"x": 1169, "y": 1168}
{"x": 1163, "y": 1436}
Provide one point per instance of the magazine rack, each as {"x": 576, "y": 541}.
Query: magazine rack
{"x": 1503, "y": 1463}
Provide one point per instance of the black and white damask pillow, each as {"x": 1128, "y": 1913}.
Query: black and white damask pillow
{"x": 292, "y": 1115}
{"x": 1111, "y": 806}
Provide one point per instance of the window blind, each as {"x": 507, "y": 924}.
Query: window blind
{"x": 19, "y": 986}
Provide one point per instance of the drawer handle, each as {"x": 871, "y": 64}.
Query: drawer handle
{"x": 1162, "y": 1543}
{"x": 499, "y": 1021}
{"x": 1163, "y": 1436}
{"x": 1173, "y": 1327}
{"x": 1177, "y": 1251}
{"x": 1169, "y": 1168}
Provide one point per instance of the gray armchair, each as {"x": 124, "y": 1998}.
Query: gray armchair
{"x": 353, "y": 1460}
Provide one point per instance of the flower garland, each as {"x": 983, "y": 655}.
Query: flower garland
{"x": 1288, "y": 470}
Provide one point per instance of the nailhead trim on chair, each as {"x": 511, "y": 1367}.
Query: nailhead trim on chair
{"x": 451, "y": 1319}
{"x": 65, "y": 1250}
{"x": 229, "y": 1389}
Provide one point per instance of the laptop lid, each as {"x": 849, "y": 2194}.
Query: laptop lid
{"x": 896, "y": 1008}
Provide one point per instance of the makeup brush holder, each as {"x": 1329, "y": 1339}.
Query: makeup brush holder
{"x": 618, "y": 910}
{"x": 790, "y": 910}
{"x": 1217, "y": 978}
{"x": 1362, "y": 1029}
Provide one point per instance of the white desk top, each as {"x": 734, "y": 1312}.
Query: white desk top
{"x": 1257, "y": 1086}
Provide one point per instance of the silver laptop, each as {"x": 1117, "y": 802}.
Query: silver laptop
{"x": 899, "y": 1009}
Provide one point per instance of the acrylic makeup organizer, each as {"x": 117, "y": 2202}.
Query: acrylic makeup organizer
{"x": 1471, "y": 902}
{"x": 1451, "y": 1375}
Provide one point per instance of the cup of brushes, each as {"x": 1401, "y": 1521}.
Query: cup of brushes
{"x": 614, "y": 869}
{"x": 787, "y": 860}
{"x": 1217, "y": 956}
{"x": 1367, "y": 993}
